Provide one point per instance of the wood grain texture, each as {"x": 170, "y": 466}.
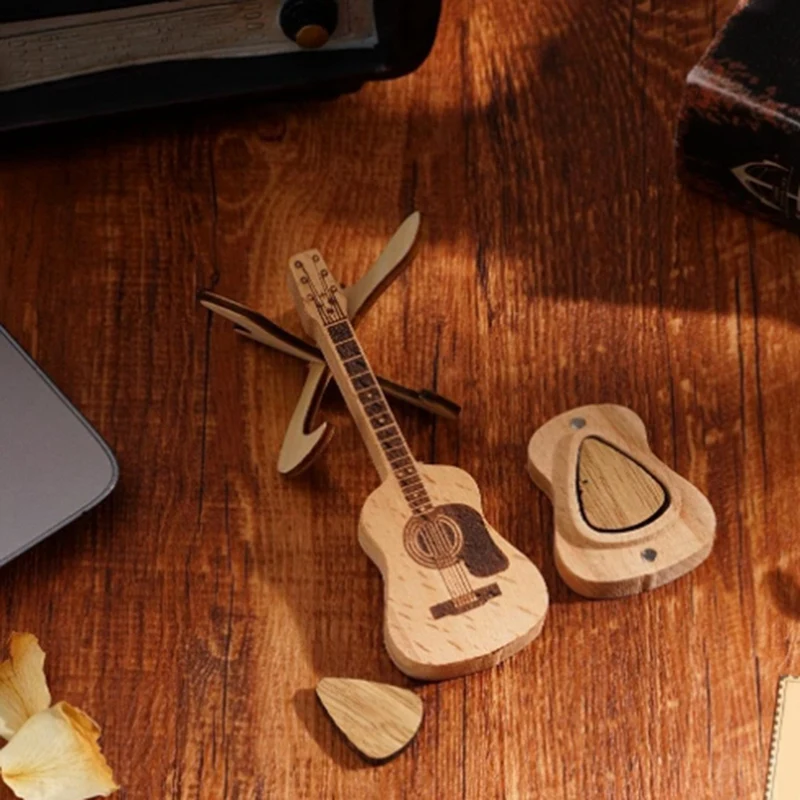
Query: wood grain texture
{"x": 616, "y": 493}
{"x": 378, "y": 719}
{"x": 560, "y": 264}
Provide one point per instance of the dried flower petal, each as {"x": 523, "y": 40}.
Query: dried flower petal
{"x": 55, "y": 756}
{"x": 23, "y": 686}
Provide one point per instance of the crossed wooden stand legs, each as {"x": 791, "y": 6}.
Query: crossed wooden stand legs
{"x": 303, "y": 441}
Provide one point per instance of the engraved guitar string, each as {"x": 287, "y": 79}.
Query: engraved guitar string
{"x": 442, "y": 553}
{"x": 431, "y": 532}
{"x": 435, "y": 539}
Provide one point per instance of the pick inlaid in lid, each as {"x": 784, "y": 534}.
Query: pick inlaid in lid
{"x": 616, "y": 493}
{"x": 624, "y": 522}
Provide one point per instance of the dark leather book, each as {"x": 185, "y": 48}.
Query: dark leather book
{"x": 739, "y": 129}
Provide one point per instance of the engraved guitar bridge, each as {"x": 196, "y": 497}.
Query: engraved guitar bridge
{"x": 459, "y": 605}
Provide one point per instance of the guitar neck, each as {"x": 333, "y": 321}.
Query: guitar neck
{"x": 367, "y": 403}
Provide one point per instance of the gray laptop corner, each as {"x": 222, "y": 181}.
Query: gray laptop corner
{"x": 53, "y": 465}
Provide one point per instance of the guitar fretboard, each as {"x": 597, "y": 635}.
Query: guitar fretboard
{"x": 380, "y": 416}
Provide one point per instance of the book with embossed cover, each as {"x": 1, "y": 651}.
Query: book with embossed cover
{"x": 739, "y": 129}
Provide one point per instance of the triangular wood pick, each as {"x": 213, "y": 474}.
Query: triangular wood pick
{"x": 614, "y": 492}
{"x": 379, "y": 720}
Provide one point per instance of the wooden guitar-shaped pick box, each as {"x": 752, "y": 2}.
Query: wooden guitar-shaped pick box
{"x": 624, "y": 522}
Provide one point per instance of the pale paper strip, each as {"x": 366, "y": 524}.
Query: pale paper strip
{"x": 783, "y": 782}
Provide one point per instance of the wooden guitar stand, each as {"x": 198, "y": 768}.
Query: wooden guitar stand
{"x": 624, "y": 522}
{"x": 304, "y": 440}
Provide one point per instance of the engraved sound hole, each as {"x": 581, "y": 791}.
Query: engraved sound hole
{"x": 434, "y": 543}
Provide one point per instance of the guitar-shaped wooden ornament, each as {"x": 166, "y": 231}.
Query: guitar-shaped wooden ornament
{"x": 624, "y": 522}
{"x": 458, "y": 597}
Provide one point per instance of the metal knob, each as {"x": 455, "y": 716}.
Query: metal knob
{"x": 309, "y": 23}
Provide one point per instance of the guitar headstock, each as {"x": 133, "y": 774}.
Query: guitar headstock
{"x": 317, "y": 295}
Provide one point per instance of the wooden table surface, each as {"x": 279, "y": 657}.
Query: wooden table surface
{"x": 560, "y": 264}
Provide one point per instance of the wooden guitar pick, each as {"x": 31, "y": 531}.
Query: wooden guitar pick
{"x": 624, "y": 522}
{"x": 379, "y": 720}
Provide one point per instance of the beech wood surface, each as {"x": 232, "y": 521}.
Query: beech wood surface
{"x": 560, "y": 264}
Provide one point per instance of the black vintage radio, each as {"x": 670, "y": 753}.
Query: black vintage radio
{"x": 66, "y": 59}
